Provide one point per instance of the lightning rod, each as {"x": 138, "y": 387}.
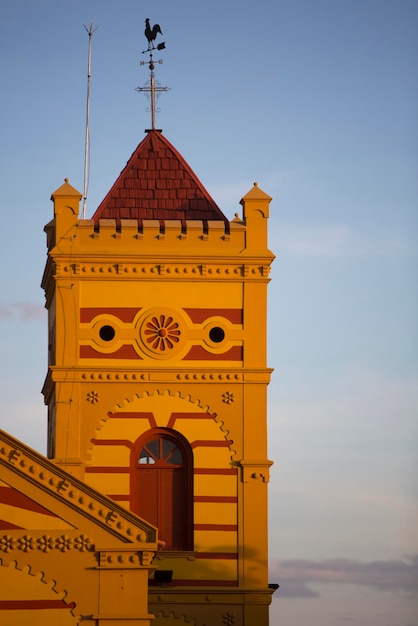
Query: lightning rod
{"x": 90, "y": 32}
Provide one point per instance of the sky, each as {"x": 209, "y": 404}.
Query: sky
{"x": 317, "y": 100}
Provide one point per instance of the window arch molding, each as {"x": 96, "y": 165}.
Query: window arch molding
{"x": 162, "y": 485}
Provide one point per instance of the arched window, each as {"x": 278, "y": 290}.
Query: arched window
{"x": 161, "y": 487}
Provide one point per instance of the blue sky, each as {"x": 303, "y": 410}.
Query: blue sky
{"x": 317, "y": 100}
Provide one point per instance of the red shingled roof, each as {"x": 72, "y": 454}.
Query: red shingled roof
{"x": 158, "y": 184}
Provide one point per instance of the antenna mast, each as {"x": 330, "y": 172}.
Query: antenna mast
{"x": 90, "y": 32}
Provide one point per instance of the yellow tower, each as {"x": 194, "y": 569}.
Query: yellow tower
{"x": 157, "y": 378}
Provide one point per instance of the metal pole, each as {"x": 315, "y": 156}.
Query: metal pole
{"x": 87, "y": 142}
{"x": 152, "y": 101}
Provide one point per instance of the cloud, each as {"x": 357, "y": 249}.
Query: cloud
{"x": 22, "y": 311}
{"x": 295, "y": 576}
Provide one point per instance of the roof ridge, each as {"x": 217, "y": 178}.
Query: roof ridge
{"x": 157, "y": 183}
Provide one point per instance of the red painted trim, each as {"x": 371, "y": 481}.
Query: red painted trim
{"x": 233, "y": 556}
{"x": 235, "y": 316}
{"x": 214, "y": 470}
{"x": 112, "y": 442}
{"x": 197, "y": 583}
{"x": 219, "y": 499}
{"x": 198, "y": 353}
{"x": 4, "y": 525}
{"x": 118, "y": 498}
{"x": 189, "y": 416}
{"x": 141, "y": 416}
{"x": 107, "y": 470}
{"x": 10, "y": 496}
{"x": 125, "y": 352}
{"x": 206, "y": 443}
{"x": 125, "y": 314}
{"x": 31, "y": 605}
{"x": 226, "y": 527}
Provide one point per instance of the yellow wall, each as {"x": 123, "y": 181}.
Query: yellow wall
{"x": 200, "y": 280}
{"x": 67, "y": 553}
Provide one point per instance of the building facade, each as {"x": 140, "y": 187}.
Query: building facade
{"x": 157, "y": 381}
{"x": 67, "y": 553}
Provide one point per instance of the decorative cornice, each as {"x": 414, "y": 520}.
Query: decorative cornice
{"x": 157, "y": 375}
{"x": 125, "y": 559}
{"x": 235, "y": 595}
{"x": 53, "y": 480}
{"x": 98, "y": 376}
{"x": 254, "y": 271}
{"x": 210, "y": 376}
{"x": 107, "y": 559}
{"x": 45, "y": 543}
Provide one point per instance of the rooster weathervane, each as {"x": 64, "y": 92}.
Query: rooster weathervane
{"x": 152, "y": 87}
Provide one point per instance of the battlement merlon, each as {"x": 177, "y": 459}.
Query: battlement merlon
{"x": 66, "y": 201}
{"x": 256, "y": 204}
{"x": 248, "y": 236}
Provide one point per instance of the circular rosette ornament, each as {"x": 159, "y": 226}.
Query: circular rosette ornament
{"x": 161, "y": 334}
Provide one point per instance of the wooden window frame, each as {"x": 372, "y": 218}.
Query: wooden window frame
{"x": 187, "y": 454}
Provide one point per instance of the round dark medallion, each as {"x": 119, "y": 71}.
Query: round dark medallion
{"x": 107, "y": 333}
{"x": 216, "y": 334}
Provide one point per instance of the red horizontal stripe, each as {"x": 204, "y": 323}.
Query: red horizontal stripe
{"x": 30, "y": 605}
{"x": 141, "y": 416}
{"x": 118, "y": 498}
{"x": 198, "y": 353}
{"x": 220, "y": 499}
{"x": 112, "y": 442}
{"x": 125, "y": 352}
{"x": 189, "y": 416}
{"x": 10, "y": 496}
{"x": 206, "y": 443}
{"x": 125, "y": 314}
{"x": 4, "y": 525}
{"x": 227, "y": 527}
{"x": 107, "y": 470}
{"x": 233, "y": 556}
{"x": 214, "y": 470}
{"x": 197, "y": 583}
{"x": 235, "y": 316}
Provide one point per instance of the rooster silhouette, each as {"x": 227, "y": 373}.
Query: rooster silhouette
{"x": 151, "y": 33}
